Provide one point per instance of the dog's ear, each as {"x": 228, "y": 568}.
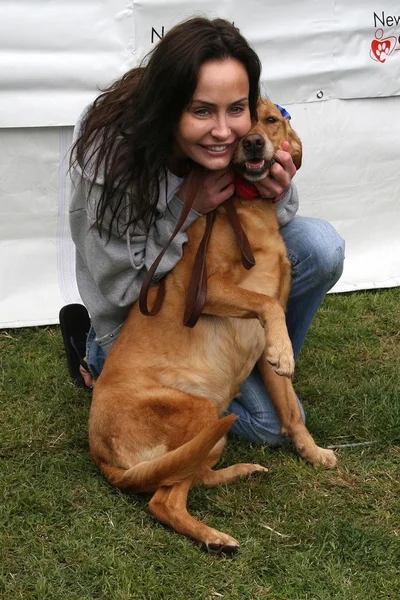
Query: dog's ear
{"x": 296, "y": 148}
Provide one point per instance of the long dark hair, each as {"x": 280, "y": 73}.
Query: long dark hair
{"x": 128, "y": 133}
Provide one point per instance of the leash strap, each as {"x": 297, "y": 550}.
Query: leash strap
{"x": 144, "y": 291}
{"x": 197, "y": 291}
{"x": 248, "y": 260}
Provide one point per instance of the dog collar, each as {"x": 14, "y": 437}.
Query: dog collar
{"x": 248, "y": 191}
{"x": 244, "y": 189}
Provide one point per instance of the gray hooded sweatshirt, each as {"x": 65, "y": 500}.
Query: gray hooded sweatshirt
{"x": 110, "y": 273}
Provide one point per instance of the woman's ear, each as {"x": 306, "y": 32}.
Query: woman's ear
{"x": 296, "y": 148}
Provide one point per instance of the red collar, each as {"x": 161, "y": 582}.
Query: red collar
{"x": 248, "y": 191}
{"x": 244, "y": 189}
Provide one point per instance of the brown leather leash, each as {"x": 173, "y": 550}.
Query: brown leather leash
{"x": 248, "y": 260}
{"x": 197, "y": 290}
{"x": 144, "y": 291}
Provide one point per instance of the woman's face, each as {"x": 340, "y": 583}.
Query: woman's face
{"x": 217, "y": 117}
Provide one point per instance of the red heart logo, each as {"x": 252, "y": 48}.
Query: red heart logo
{"x": 381, "y": 47}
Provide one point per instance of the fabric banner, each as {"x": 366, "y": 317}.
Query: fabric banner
{"x": 54, "y": 56}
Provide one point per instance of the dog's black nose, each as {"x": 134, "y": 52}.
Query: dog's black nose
{"x": 253, "y": 142}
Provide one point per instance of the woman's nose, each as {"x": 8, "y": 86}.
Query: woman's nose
{"x": 221, "y": 129}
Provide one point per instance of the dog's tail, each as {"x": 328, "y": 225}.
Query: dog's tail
{"x": 172, "y": 467}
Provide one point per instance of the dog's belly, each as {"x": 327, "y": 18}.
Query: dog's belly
{"x": 221, "y": 355}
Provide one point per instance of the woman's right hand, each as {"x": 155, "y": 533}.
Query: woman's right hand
{"x": 215, "y": 187}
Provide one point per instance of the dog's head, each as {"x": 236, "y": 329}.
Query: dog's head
{"x": 255, "y": 153}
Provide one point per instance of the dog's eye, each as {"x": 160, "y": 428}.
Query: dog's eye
{"x": 271, "y": 120}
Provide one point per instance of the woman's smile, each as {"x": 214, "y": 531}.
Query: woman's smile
{"x": 218, "y": 150}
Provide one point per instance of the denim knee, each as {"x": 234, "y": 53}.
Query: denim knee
{"x": 316, "y": 251}
{"x": 328, "y": 251}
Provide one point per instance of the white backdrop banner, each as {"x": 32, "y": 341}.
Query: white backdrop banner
{"x": 54, "y": 56}
{"x": 337, "y": 64}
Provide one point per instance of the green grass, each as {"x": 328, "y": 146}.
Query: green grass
{"x": 306, "y": 534}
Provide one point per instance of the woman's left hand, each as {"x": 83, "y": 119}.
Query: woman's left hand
{"x": 280, "y": 175}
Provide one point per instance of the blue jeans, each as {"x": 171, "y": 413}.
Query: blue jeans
{"x": 316, "y": 252}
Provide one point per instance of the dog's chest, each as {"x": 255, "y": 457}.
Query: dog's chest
{"x": 260, "y": 226}
{"x": 221, "y": 354}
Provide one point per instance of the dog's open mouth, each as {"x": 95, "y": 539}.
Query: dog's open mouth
{"x": 256, "y": 169}
{"x": 254, "y": 166}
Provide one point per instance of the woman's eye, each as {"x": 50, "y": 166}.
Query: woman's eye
{"x": 237, "y": 109}
{"x": 201, "y": 112}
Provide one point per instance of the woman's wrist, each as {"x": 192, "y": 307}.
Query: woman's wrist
{"x": 280, "y": 196}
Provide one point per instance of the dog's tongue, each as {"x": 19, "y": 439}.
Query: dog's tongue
{"x": 254, "y": 165}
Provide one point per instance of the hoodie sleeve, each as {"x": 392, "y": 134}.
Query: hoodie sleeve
{"x": 288, "y": 206}
{"x": 117, "y": 265}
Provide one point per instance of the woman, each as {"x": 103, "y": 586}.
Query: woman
{"x": 134, "y": 149}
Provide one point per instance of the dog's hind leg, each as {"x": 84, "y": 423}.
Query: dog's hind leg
{"x": 168, "y": 505}
{"x": 210, "y": 478}
{"x": 284, "y": 399}
{"x": 170, "y": 468}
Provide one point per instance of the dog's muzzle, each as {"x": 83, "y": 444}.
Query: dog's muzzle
{"x": 255, "y": 152}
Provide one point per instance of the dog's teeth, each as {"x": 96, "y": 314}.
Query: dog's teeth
{"x": 254, "y": 165}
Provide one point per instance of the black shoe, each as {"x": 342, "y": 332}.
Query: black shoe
{"x": 75, "y": 325}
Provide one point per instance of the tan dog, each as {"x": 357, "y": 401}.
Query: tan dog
{"x": 154, "y": 423}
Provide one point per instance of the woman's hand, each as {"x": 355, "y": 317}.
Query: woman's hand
{"x": 280, "y": 175}
{"x": 215, "y": 187}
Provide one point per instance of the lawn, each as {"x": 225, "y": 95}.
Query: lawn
{"x": 306, "y": 534}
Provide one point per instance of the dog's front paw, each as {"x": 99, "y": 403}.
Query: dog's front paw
{"x": 318, "y": 457}
{"x": 281, "y": 359}
{"x": 326, "y": 458}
